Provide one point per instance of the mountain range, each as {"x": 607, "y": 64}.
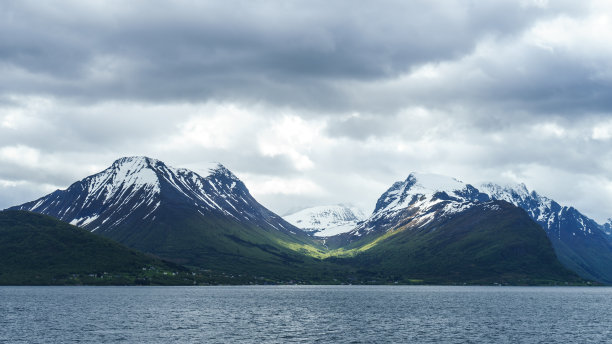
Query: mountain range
{"x": 425, "y": 229}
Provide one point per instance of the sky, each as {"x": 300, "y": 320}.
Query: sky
{"x": 311, "y": 102}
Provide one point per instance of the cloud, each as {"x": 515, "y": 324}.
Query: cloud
{"x": 293, "y": 137}
{"x": 311, "y": 102}
{"x": 602, "y": 131}
{"x": 297, "y": 54}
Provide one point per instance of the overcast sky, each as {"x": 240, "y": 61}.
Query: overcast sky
{"x": 311, "y": 102}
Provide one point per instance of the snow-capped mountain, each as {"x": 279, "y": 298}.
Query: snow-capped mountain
{"x": 423, "y": 202}
{"x": 328, "y": 220}
{"x": 422, "y": 197}
{"x": 133, "y": 189}
{"x": 553, "y": 217}
{"x": 419, "y": 200}
{"x": 580, "y": 243}
{"x": 209, "y": 221}
{"x": 431, "y": 224}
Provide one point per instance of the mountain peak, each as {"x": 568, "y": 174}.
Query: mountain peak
{"x": 217, "y": 169}
{"x": 139, "y": 188}
{"x": 430, "y": 182}
{"x": 135, "y": 161}
{"x": 137, "y": 170}
{"x": 513, "y": 193}
{"x": 135, "y": 164}
{"x": 403, "y": 194}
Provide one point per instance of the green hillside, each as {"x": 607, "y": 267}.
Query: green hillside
{"x": 38, "y": 249}
{"x": 476, "y": 246}
{"x": 220, "y": 244}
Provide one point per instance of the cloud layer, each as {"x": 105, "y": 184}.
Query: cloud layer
{"x": 311, "y": 102}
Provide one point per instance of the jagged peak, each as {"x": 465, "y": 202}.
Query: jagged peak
{"x": 218, "y": 169}
{"x": 143, "y": 170}
{"x": 514, "y": 192}
{"x": 216, "y": 166}
{"x": 136, "y": 163}
{"x": 517, "y": 189}
{"x": 507, "y": 187}
{"x": 131, "y": 170}
{"x": 402, "y": 194}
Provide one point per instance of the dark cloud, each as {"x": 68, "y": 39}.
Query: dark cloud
{"x": 294, "y": 53}
{"x": 540, "y": 82}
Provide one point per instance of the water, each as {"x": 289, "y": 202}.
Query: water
{"x": 312, "y": 314}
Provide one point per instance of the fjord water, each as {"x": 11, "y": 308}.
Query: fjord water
{"x": 281, "y": 314}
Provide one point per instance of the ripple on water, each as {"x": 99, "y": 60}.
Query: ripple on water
{"x": 305, "y": 314}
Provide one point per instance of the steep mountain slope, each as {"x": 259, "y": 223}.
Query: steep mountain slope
{"x": 211, "y": 222}
{"x": 327, "y": 220}
{"x": 38, "y": 249}
{"x": 488, "y": 242}
{"x": 580, "y": 243}
{"x": 420, "y": 214}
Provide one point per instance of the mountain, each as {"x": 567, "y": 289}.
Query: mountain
{"x": 580, "y": 243}
{"x": 426, "y": 228}
{"x": 418, "y": 200}
{"x": 486, "y": 243}
{"x": 328, "y": 220}
{"x": 134, "y": 188}
{"x": 211, "y": 221}
{"x": 430, "y": 226}
{"x": 607, "y": 228}
{"x": 38, "y": 249}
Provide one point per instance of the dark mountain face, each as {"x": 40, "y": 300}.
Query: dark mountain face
{"x": 489, "y": 242}
{"x": 580, "y": 243}
{"x": 38, "y": 249}
{"x": 556, "y": 220}
{"x": 176, "y": 214}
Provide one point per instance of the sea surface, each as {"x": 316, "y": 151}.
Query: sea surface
{"x": 306, "y": 314}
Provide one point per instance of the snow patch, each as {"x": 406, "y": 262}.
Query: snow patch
{"x": 326, "y": 220}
